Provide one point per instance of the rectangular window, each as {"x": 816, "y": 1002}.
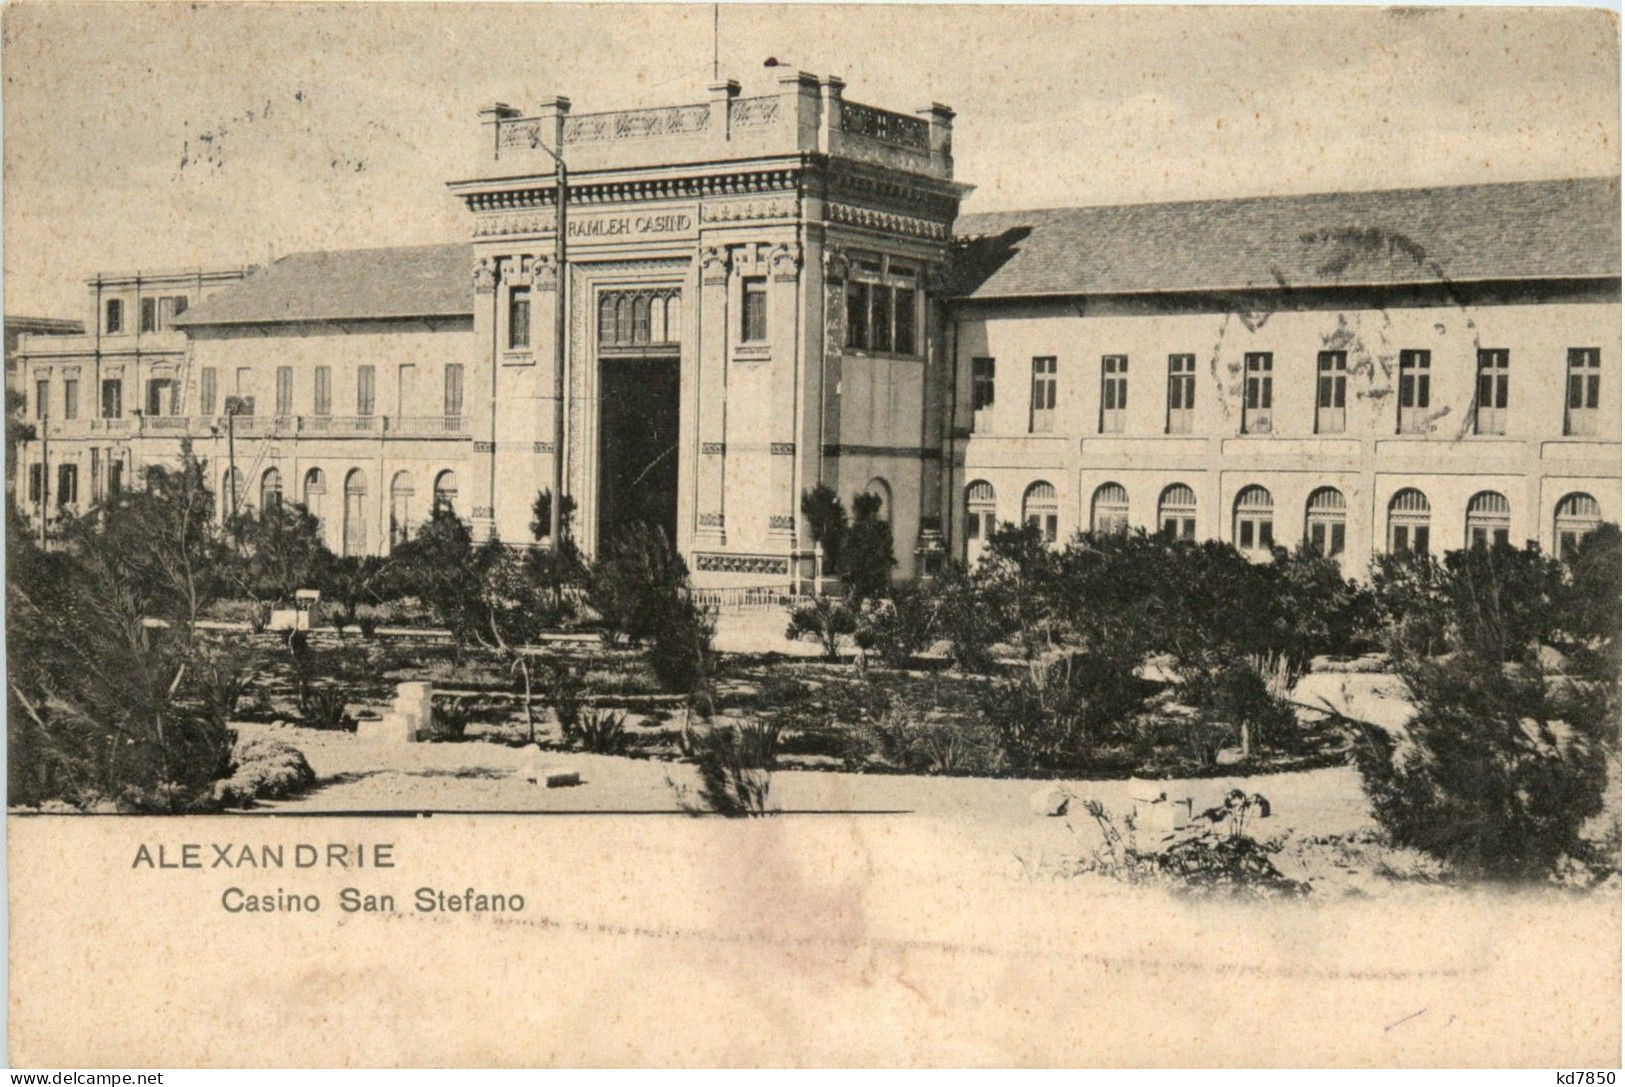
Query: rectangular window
{"x": 1043, "y": 405}
{"x": 1490, "y": 416}
{"x": 1331, "y": 392}
{"x": 115, "y": 476}
{"x": 284, "y": 390}
{"x": 115, "y": 316}
{"x": 753, "y": 311}
{"x": 1181, "y": 392}
{"x": 172, "y": 306}
{"x": 366, "y": 390}
{"x": 454, "y": 388}
{"x": 857, "y": 314}
{"x": 42, "y": 399}
{"x": 1113, "y": 393}
{"x": 880, "y": 318}
{"x": 161, "y": 398}
{"x": 882, "y": 307}
{"x": 1415, "y": 391}
{"x": 112, "y": 398}
{"x": 322, "y": 404}
{"x": 1258, "y": 408}
{"x": 981, "y": 382}
{"x": 36, "y": 472}
{"x": 406, "y": 384}
{"x": 244, "y": 398}
{"x": 149, "y": 315}
{"x": 67, "y": 484}
{"x": 208, "y": 390}
{"x": 1410, "y": 539}
{"x": 518, "y": 319}
{"x": 70, "y": 398}
{"x": 903, "y": 307}
{"x": 1584, "y": 386}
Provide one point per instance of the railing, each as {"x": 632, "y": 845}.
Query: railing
{"x": 341, "y": 424}
{"x": 885, "y": 126}
{"x": 428, "y": 425}
{"x": 258, "y": 426}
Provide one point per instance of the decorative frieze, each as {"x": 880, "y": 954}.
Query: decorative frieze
{"x": 541, "y": 447}
{"x": 753, "y": 112}
{"x": 888, "y": 221}
{"x": 737, "y": 183}
{"x": 711, "y": 520}
{"x": 714, "y": 448}
{"x": 485, "y": 447}
{"x": 637, "y": 124}
{"x": 782, "y": 449}
{"x": 781, "y": 522}
{"x": 741, "y": 211}
{"x": 712, "y": 562}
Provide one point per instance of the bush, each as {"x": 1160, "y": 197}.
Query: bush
{"x": 263, "y": 768}
{"x": 966, "y": 614}
{"x": 929, "y": 746}
{"x": 324, "y": 708}
{"x": 1496, "y": 773}
{"x": 1234, "y": 692}
{"x": 564, "y": 693}
{"x": 826, "y": 522}
{"x": 827, "y": 619}
{"x": 868, "y": 549}
{"x": 635, "y": 583}
{"x": 602, "y": 732}
{"x": 895, "y": 628}
{"x": 680, "y": 649}
{"x": 452, "y": 716}
{"x": 1051, "y": 717}
{"x": 736, "y": 770}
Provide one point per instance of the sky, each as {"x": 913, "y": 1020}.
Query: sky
{"x": 212, "y": 134}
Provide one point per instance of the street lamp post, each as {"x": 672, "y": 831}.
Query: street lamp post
{"x": 561, "y": 196}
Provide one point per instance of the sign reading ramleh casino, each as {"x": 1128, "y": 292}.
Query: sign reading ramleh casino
{"x": 765, "y": 293}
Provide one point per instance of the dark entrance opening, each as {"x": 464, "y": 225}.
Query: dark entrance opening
{"x": 637, "y": 445}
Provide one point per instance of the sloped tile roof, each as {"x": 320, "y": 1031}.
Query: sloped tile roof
{"x": 1516, "y": 230}
{"x": 325, "y": 285}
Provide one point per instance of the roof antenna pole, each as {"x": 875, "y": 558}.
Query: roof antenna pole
{"x": 716, "y": 40}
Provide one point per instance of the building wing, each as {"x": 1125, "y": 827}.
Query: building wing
{"x": 1511, "y": 231}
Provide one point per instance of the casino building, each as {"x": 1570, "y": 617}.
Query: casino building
{"x": 766, "y": 293}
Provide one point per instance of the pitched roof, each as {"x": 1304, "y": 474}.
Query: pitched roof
{"x": 1516, "y": 230}
{"x": 325, "y": 285}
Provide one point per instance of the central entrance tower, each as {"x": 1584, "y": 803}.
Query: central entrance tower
{"x": 751, "y": 312}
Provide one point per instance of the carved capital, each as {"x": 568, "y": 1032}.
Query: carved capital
{"x": 785, "y": 260}
{"x": 714, "y": 264}
{"x": 485, "y": 275}
{"x": 836, "y": 263}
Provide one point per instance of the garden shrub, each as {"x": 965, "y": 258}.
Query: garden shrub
{"x": 735, "y": 766}
{"x": 325, "y": 708}
{"x": 601, "y": 732}
{"x": 1059, "y": 709}
{"x": 897, "y": 627}
{"x": 868, "y": 549}
{"x": 1234, "y": 692}
{"x": 934, "y": 745}
{"x": 679, "y": 651}
{"x": 826, "y": 619}
{"x": 966, "y": 615}
{"x": 451, "y": 718}
{"x": 264, "y": 768}
{"x": 635, "y": 580}
{"x": 564, "y": 694}
{"x": 1497, "y": 771}
{"x": 826, "y": 522}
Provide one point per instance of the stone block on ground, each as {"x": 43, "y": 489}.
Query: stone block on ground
{"x": 1051, "y": 800}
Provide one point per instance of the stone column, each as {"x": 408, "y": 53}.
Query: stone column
{"x": 711, "y": 395}
{"x": 481, "y": 401}
{"x": 784, "y": 319}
